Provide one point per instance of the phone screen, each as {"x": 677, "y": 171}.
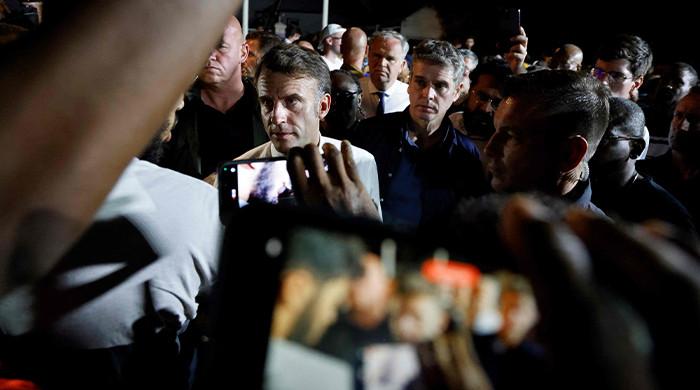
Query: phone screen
{"x": 253, "y": 181}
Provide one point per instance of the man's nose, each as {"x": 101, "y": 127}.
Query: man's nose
{"x": 428, "y": 92}
{"x": 486, "y": 106}
{"x": 278, "y": 114}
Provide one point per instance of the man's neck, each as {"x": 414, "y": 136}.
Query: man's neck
{"x": 355, "y": 63}
{"x": 386, "y": 88}
{"x": 223, "y": 96}
{"x": 425, "y": 133}
{"x": 333, "y": 56}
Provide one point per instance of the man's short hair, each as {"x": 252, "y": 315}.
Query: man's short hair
{"x": 568, "y": 103}
{"x": 296, "y": 62}
{"x": 266, "y": 40}
{"x": 390, "y": 34}
{"x": 469, "y": 55}
{"x": 440, "y": 53}
{"x": 499, "y": 71}
{"x": 626, "y": 116}
{"x": 687, "y": 68}
{"x": 631, "y": 48}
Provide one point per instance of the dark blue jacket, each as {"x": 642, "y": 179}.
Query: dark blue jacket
{"x": 418, "y": 186}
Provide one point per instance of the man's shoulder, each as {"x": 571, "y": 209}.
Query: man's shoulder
{"x": 464, "y": 141}
{"x": 399, "y": 86}
{"x": 359, "y": 154}
{"x": 375, "y": 129}
{"x": 261, "y": 151}
{"x": 150, "y": 173}
{"x": 391, "y": 120}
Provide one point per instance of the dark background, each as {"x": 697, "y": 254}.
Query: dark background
{"x": 671, "y": 27}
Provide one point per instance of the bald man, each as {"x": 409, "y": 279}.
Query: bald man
{"x": 221, "y": 118}
{"x": 567, "y": 56}
{"x": 354, "y": 50}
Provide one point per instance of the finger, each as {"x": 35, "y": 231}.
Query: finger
{"x": 660, "y": 281}
{"x": 647, "y": 266}
{"x": 336, "y": 168}
{"x": 555, "y": 260}
{"x": 349, "y": 160}
{"x": 314, "y": 165}
{"x": 665, "y": 231}
{"x": 558, "y": 266}
{"x": 297, "y": 172}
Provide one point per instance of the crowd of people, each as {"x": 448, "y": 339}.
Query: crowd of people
{"x": 558, "y": 203}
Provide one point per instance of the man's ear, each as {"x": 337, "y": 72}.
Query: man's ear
{"x": 244, "y": 51}
{"x": 636, "y": 84}
{"x": 324, "y": 106}
{"x": 458, "y": 90}
{"x": 636, "y": 148}
{"x": 573, "y": 152}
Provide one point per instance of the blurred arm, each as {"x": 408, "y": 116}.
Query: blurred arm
{"x": 77, "y": 104}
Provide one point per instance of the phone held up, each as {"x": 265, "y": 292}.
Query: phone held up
{"x": 253, "y": 181}
{"x": 508, "y": 27}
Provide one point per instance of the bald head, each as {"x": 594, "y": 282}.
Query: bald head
{"x": 234, "y": 28}
{"x": 354, "y": 47}
{"x": 567, "y": 57}
{"x": 223, "y": 66}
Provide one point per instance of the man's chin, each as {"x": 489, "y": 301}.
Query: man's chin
{"x": 283, "y": 146}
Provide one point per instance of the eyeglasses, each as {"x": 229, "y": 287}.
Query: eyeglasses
{"x": 486, "y": 98}
{"x": 609, "y": 138}
{"x": 344, "y": 94}
{"x": 612, "y": 76}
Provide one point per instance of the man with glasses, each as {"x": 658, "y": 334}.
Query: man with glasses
{"x": 329, "y": 45}
{"x": 424, "y": 164}
{"x": 346, "y": 99}
{"x": 482, "y": 100}
{"x": 620, "y": 190}
{"x": 621, "y": 65}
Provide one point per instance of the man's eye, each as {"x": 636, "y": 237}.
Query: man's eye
{"x": 292, "y": 102}
{"x": 266, "y": 104}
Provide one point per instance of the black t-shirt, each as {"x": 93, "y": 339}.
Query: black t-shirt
{"x": 642, "y": 199}
{"x": 205, "y": 137}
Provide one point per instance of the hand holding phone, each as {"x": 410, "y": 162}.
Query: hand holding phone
{"x": 512, "y": 39}
{"x": 339, "y": 188}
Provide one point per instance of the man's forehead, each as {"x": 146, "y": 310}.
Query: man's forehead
{"x": 487, "y": 82}
{"x": 433, "y": 70}
{"x": 385, "y": 44}
{"x": 285, "y": 82}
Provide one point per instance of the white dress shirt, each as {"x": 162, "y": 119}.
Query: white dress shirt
{"x": 395, "y": 98}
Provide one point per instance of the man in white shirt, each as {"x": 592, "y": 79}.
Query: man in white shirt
{"x": 294, "y": 92}
{"x": 382, "y": 93}
{"x": 329, "y": 45}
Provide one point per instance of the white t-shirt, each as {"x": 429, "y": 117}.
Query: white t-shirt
{"x": 158, "y": 233}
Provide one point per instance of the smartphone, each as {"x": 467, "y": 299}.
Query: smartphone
{"x": 324, "y": 267}
{"x": 508, "y": 27}
{"x": 247, "y": 182}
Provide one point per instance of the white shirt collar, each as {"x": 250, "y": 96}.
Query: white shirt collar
{"x": 276, "y": 153}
